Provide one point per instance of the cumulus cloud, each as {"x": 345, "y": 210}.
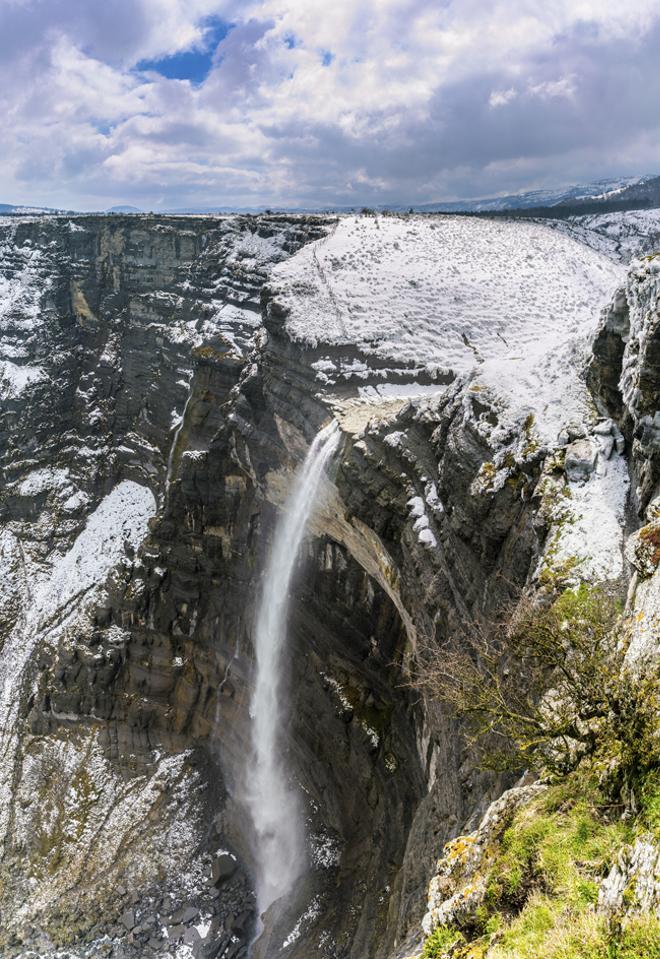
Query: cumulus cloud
{"x": 305, "y": 102}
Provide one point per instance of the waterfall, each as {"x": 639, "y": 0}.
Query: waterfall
{"x": 175, "y": 440}
{"x": 274, "y": 806}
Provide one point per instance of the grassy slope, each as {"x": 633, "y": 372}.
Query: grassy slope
{"x": 543, "y": 881}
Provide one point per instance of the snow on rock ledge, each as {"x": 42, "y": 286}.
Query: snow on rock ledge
{"x": 121, "y": 518}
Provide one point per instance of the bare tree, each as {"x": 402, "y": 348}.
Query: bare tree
{"x": 546, "y": 687}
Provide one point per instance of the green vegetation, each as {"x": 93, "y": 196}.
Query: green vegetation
{"x": 542, "y": 879}
{"x": 544, "y": 930}
{"x": 650, "y": 536}
{"x": 487, "y": 474}
{"x": 440, "y": 941}
{"x": 549, "y": 690}
{"x": 532, "y": 444}
{"x": 557, "y": 574}
{"x": 498, "y": 680}
{"x": 207, "y": 352}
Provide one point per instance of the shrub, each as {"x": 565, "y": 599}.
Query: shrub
{"x": 547, "y": 688}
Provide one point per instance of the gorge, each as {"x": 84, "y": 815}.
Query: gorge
{"x": 199, "y": 747}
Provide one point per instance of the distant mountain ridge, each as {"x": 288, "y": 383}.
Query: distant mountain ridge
{"x": 124, "y": 208}
{"x": 11, "y": 209}
{"x": 617, "y": 189}
{"x": 618, "y": 193}
{"x": 644, "y": 194}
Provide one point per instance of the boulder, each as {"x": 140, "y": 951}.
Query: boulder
{"x": 580, "y": 463}
{"x": 224, "y": 866}
{"x": 633, "y": 883}
{"x": 643, "y": 549}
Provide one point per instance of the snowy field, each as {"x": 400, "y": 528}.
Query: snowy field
{"x": 512, "y": 303}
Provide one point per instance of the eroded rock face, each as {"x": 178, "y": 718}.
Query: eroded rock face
{"x": 458, "y": 887}
{"x": 102, "y": 323}
{"x": 145, "y": 360}
{"x": 625, "y": 376}
{"x": 625, "y": 371}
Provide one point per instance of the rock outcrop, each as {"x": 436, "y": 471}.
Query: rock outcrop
{"x": 625, "y": 377}
{"x": 463, "y": 904}
{"x": 625, "y": 372}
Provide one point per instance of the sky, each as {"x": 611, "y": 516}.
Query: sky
{"x": 166, "y": 104}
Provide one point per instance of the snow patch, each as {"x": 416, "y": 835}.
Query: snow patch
{"x": 591, "y": 533}
{"x": 421, "y": 525}
{"x": 121, "y": 518}
{"x": 44, "y": 480}
{"x": 48, "y": 592}
{"x": 622, "y": 235}
{"x": 312, "y": 912}
{"x": 15, "y": 379}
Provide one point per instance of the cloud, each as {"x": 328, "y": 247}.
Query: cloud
{"x": 500, "y": 98}
{"x": 307, "y": 102}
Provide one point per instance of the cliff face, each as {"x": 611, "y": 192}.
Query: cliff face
{"x": 505, "y": 887}
{"x": 102, "y": 322}
{"x": 625, "y": 372}
{"x": 625, "y": 377}
{"x": 153, "y": 411}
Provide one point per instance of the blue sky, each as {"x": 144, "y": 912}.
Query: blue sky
{"x": 196, "y": 103}
{"x": 195, "y": 64}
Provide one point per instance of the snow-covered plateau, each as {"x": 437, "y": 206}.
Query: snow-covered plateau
{"x": 511, "y": 303}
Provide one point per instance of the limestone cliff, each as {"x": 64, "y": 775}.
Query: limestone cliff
{"x": 551, "y": 868}
{"x": 160, "y": 380}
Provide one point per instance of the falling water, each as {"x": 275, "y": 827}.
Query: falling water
{"x": 175, "y": 440}
{"x": 274, "y": 806}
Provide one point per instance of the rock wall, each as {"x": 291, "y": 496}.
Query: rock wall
{"x": 625, "y": 376}
{"x": 625, "y": 372}
{"x": 102, "y": 323}
{"x": 148, "y": 351}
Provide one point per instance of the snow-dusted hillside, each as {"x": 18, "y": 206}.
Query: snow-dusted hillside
{"x": 511, "y": 303}
{"x": 621, "y": 236}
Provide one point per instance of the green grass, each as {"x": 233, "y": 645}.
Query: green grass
{"x": 546, "y": 930}
{"x": 556, "y": 845}
{"x": 543, "y": 880}
{"x": 649, "y": 814}
{"x": 440, "y": 941}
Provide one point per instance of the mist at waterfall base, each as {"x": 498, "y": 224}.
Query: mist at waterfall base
{"x": 273, "y": 803}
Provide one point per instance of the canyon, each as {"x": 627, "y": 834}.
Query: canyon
{"x": 162, "y": 381}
